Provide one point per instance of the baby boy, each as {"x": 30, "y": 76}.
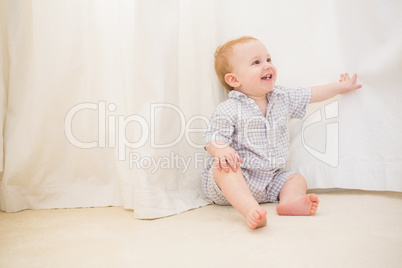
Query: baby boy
{"x": 248, "y": 134}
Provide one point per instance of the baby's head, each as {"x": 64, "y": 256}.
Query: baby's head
{"x": 244, "y": 62}
{"x": 223, "y": 56}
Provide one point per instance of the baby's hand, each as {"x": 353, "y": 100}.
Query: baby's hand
{"x": 226, "y": 158}
{"x": 348, "y": 84}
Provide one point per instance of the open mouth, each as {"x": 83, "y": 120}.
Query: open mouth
{"x": 267, "y": 77}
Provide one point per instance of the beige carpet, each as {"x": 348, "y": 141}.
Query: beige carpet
{"x": 351, "y": 229}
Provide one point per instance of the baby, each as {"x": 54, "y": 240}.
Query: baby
{"x": 248, "y": 134}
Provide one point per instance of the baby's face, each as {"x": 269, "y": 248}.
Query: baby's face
{"x": 253, "y": 68}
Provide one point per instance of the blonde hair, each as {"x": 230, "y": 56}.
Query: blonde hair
{"x": 222, "y": 59}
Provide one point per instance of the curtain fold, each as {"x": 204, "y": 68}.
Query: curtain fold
{"x": 3, "y": 74}
{"x": 104, "y": 104}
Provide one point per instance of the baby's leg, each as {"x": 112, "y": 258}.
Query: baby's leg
{"x": 294, "y": 200}
{"x": 236, "y": 191}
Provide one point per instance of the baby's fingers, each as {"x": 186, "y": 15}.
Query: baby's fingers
{"x": 224, "y": 164}
{"x": 238, "y": 158}
{"x": 233, "y": 162}
{"x": 353, "y": 79}
{"x": 217, "y": 164}
{"x": 227, "y": 163}
{"x": 346, "y": 77}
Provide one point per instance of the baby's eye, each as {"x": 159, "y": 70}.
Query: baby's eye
{"x": 269, "y": 60}
{"x": 256, "y": 62}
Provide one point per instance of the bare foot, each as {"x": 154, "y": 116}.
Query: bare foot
{"x": 303, "y": 205}
{"x": 256, "y": 217}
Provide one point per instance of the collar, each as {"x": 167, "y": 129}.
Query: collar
{"x": 234, "y": 94}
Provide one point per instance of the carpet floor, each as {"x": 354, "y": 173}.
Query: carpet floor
{"x": 350, "y": 229}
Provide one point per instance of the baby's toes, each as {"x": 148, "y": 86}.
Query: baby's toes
{"x": 252, "y": 223}
{"x": 313, "y": 198}
{"x": 260, "y": 213}
{"x": 313, "y": 211}
{"x": 314, "y": 208}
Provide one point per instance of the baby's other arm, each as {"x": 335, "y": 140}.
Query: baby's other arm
{"x": 225, "y": 156}
{"x": 325, "y": 92}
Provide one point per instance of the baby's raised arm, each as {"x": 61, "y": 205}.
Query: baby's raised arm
{"x": 324, "y": 92}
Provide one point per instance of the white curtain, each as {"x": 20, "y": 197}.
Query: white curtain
{"x": 103, "y": 103}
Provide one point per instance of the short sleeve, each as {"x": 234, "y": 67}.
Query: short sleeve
{"x": 222, "y": 123}
{"x": 297, "y": 101}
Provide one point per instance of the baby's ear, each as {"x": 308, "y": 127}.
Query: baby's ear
{"x": 231, "y": 80}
